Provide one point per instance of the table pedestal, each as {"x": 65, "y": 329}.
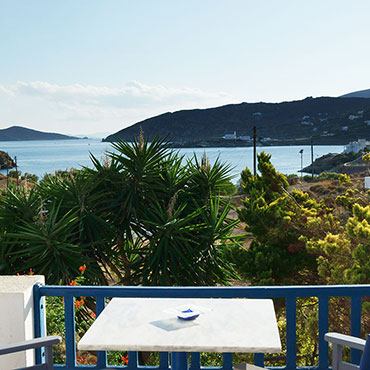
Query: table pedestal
{"x": 179, "y": 361}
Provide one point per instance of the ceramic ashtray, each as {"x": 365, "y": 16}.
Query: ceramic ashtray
{"x": 188, "y": 314}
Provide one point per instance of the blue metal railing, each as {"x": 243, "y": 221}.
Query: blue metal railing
{"x": 290, "y": 293}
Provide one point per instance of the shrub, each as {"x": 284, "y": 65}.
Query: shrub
{"x": 144, "y": 216}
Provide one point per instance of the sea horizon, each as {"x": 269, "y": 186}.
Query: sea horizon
{"x": 47, "y": 156}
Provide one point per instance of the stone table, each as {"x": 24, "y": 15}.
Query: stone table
{"x": 151, "y": 324}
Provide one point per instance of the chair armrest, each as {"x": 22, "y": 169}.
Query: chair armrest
{"x": 30, "y": 344}
{"x": 345, "y": 340}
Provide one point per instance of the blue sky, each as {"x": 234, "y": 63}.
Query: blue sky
{"x": 85, "y": 66}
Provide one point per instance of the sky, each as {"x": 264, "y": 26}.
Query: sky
{"x": 97, "y": 66}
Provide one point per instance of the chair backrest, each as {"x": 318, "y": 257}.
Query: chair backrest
{"x": 365, "y": 359}
{"x": 46, "y": 342}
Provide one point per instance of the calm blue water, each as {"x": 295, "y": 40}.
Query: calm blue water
{"x": 40, "y": 157}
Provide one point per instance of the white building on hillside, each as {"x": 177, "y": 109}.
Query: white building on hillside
{"x": 356, "y": 146}
{"x": 230, "y": 136}
{"x": 245, "y": 138}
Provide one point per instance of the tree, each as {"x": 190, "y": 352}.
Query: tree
{"x": 143, "y": 215}
{"x": 279, "y": 223}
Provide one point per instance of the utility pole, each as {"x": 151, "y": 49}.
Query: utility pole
{"x": 7, "y": 173}
{"x": 301, "y": 152}
{"x": 16, "y": 171}
{"x": 312, "y": 157}
{"x": 254, "y": 150}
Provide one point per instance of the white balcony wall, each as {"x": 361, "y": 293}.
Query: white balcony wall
{"x": 16, "y": 317}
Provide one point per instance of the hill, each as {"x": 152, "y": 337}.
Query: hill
{"x": 18, "y": 133}
{"x": 327, "y": 120}
{"x": 358, "y": 94}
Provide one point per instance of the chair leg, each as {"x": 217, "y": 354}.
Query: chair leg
{"x": 49, "y": 357}
{"x": 337, "y": 356}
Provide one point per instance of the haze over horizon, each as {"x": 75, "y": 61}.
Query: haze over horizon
{"x": 99, "y": 66}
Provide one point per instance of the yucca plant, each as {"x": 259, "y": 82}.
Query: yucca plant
{"x": 17, "y": 206}
{"x": 171, "y": 224}
{"x": 143, "y": 215}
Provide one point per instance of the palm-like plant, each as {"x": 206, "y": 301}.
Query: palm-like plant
{"x": 143, "y": 216}
{"x": 16, "y": 207}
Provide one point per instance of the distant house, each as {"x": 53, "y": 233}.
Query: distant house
{"x": 230, "y": 136}
{"x": 257, "y": 114}
{"x": 356, "y": 146}
{"x": 308, "y": 123}
{"x": 352, "y": 117}
{"x": 305, "y": 117}
{"x": 344, "y": 128}
{"x": 367, "y": 122}
{"x": 245, "y": 138}
{"x": 265, "y": 139}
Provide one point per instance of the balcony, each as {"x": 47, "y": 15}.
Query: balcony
{"x": 289, "y": 294}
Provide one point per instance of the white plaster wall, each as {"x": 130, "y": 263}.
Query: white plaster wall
{"x": 16, "y": 317}
{"x": 367, "y": 182}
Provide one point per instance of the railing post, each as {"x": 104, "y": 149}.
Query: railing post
{"x": 227, "y": 361}
{"x": 356, "y": 326}
{"x": 39, "y": 323}
{"x": 291, "y": 335}
{"x": 259, "y": 359}
{"x": 195, "y": 361}
{"x": 164, "y": 363}
{"x": 69, "y": 317}
{"x": 323, "y": 329}
{"x": 101, "y": 355}
{"x": 132, "y": 360}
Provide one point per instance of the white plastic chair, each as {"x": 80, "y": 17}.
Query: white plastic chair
{"x": 340, "y": 340}
{"x": 46, "y": 342}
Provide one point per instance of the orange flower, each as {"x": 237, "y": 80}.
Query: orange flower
{"x": 82, "y": 268}
{"x": 81, "y": 359}
{"x": 77, "y": 304}
{"x": 92, "y": 314}
{"x": 73, "y": 282}
{"x": 31, "y": 272}
{"x": 124, "y": 359}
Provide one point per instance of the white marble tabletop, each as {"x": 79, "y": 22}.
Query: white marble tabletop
{"x": 151, "y": 324}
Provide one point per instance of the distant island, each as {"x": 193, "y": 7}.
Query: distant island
{"x": 18, "y": 133}
{"x": 325, "y": 120}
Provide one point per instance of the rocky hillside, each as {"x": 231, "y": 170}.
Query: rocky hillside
{"x": 22, "y": 133}
{"x": 326, "y": 120}
{"x": 6, "y": 161}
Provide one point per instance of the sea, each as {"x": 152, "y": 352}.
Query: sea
{"x": 41, "y": 157}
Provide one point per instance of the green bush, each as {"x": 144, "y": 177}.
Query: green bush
{"x": 278, "y": 223}
{"x": 144, "y": 215}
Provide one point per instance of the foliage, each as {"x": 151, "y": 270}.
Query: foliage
{"x": 344, "y": 180}
{"x": 173, "y": 208}
{"x": 366, "y": 158}
{"x": 343, "y": 257}
{"x": 278, "y": 222}
{"x": 144, "y": 215}
{"x": 14, "y": 174}
{"x": 322, "y": 177}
